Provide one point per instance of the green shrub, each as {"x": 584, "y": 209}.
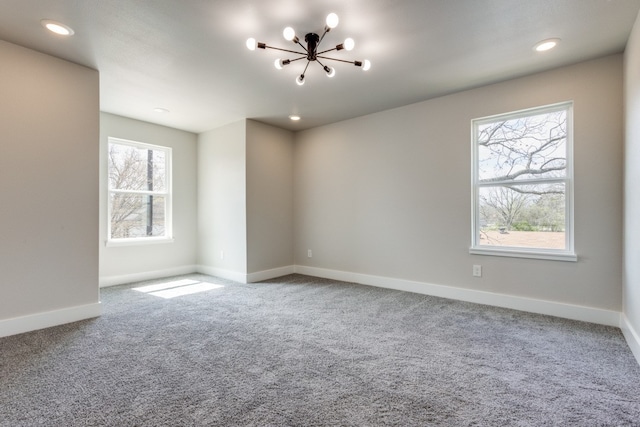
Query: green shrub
{"x": 522, "y": 226}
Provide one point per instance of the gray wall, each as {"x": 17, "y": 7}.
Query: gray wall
{"x": 389, "y": 194}
{"x": 48, "y": 182}
{"x": 631, "y": 307}
{"x": 222, "y": 210}
{"x": 269, "y": 197}
{"x": 245, "y": 200}
{"x": 123, "y": 264}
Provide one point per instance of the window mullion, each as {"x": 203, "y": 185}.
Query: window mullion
{"x": 511, "y": 183}
{"x": 141, "y": 192}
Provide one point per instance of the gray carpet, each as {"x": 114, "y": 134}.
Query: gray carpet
{"x": 305, "y": 351}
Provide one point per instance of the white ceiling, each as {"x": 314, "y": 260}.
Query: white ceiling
{"x": 189, "y": 56}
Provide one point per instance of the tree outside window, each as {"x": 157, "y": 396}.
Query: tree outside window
{"x": 139, "y": 190}
{"x": 522, "y": 182}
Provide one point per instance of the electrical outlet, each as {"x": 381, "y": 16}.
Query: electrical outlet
{"x": 309, "y": 253}
{"x": 477, "y": 270}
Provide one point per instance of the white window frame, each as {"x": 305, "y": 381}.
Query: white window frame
{"x": 567, "y": 254}
{"x": 167, "y": 194}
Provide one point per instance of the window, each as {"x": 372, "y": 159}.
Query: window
{"x": 139, "y": 192}
{"x": 523, "y": 184}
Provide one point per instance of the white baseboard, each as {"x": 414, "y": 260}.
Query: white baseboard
{"x": 567, "y": 311}
{"x": 222, "y": 273}
{"x": 631, "y": 335}
{"x": 204, "y": 269}
{"x": 246, "y": 278}
{"x": 106, "y": 281}
{"x": 270, "y": 274}
{"x": 32, "y": 322}
{"x": 551, "y": 308}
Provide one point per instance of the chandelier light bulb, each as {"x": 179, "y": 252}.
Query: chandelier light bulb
{"x": 330, "y": 71}
{"x": 251, "y": 43}
{"x": 332, "y": 20}
{"x": 289, "y": 33}
{"x": 300, "y": 80}
{"x": 366, "y": 65}
{"x": 280, "y": 63}
{"x": 349, "y": 44}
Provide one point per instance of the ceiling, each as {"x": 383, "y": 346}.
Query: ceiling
{"x": 189, "y": 56}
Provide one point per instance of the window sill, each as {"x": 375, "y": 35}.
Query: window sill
{"x": 138, "y": 241}
{"x": 524, "y": 253}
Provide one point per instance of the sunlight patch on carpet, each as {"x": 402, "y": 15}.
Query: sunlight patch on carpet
{"x": 177, "y": 288}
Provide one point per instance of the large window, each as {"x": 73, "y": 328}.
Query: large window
{"x": 523, "y": 183}
{"x": 139, "y": 192}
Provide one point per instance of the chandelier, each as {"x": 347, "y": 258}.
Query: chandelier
{"x": 311, "y": 53}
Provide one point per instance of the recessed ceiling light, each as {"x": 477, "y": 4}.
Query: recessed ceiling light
{"x": 546, "y": 45}
{"x": 57, "y": 27}
{"x": 160, "y": 110}
{"x": 294, "y": 117}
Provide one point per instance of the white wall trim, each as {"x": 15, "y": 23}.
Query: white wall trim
{"x": 106, "y": 281}
{"x": 567, "y": 311}
{"x": 270, "y": 274}
{"x": 551, "y": 308}
{"x": 223, "y": 274}
{"x": 32, "y": 322}
{"x": 204, "y": 269}
{"x": 631, "y": 335}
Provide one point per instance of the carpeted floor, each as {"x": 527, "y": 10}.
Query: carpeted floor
{"x": 305, "y": 351}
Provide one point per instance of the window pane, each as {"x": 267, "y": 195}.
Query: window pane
{"x": 135, "y": 215}
{"x": 133, "y": 168}
{"x": 529, "y": 216}
{"x": 159, "y": 165}
{"x": 531, "y": 147}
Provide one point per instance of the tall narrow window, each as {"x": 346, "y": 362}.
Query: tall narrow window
{"x": 139, "y": 192}
{"x": 523, "y": 183}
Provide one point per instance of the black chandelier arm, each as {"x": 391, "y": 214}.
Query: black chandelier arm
{"x": 336, "y": 59}
{"x": 328, "y": 50}
{"x": 298, "y": 58}
{"x": 326, "y": 30}
{"x": 321, "y": 64}
{"x": 303, "y": 46}
{"x": 285, "y": 50}
{"x": 305, "y": 68}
